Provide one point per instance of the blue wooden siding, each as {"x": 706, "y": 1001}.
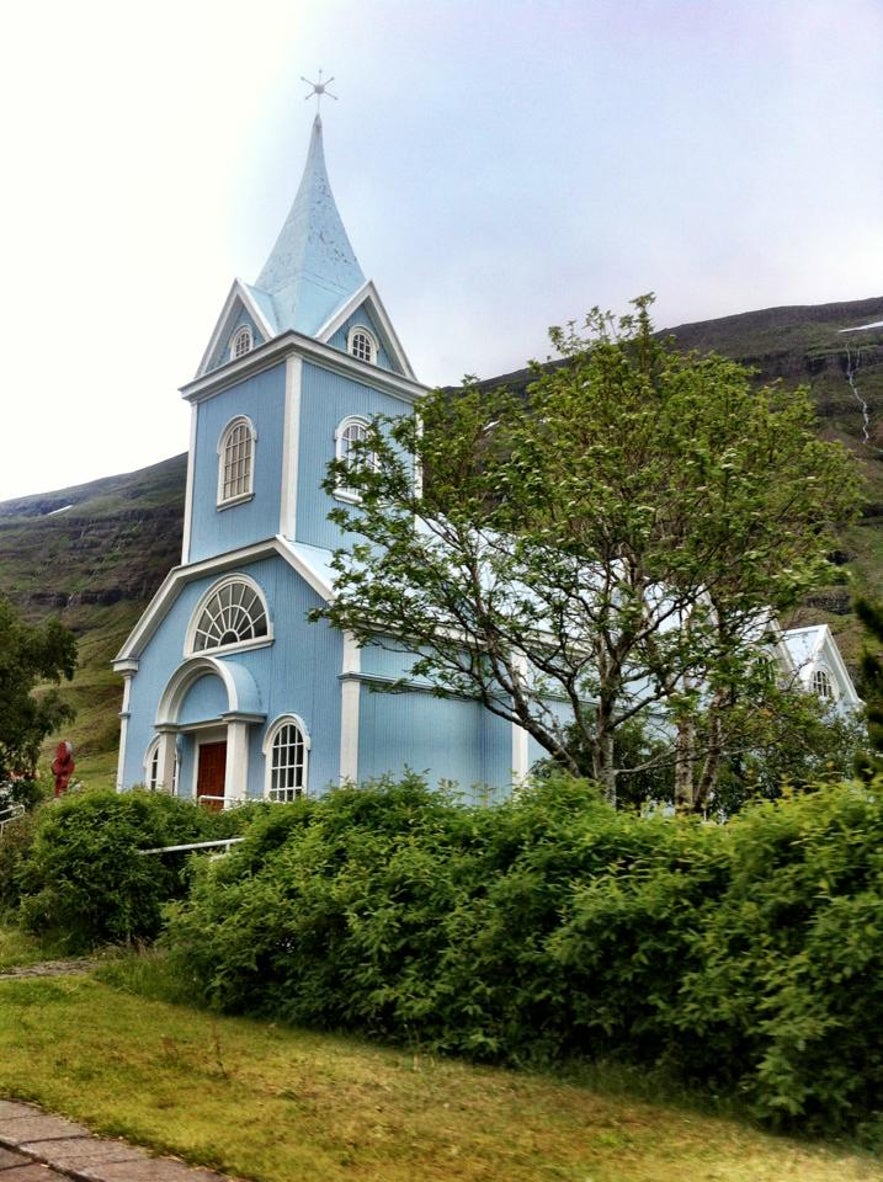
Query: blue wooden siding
{"x": 206, "y": 700}
{"x": 326, "y": 400}
{"x": 446, "y": 739}
{"x": 216, "y": 530}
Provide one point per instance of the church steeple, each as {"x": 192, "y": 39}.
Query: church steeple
{"x": 312, "y": 269}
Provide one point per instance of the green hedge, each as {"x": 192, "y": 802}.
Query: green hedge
{"x": 745, "y": 958}
{"x": 71, "y": 870}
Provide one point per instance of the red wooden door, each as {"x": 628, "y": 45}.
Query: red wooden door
{"x": 211, "y": 773}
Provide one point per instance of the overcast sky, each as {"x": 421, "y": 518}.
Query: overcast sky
{"x": 500, "y": 166}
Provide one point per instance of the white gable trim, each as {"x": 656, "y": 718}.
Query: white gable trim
{"x": 238, "y": 293}
{"x": 180, "y": 576}
{"x": 824, "y": 653}
{"x": 367, "y": 295}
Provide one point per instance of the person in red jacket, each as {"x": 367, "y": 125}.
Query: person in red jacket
{"x": 63, "y": 767}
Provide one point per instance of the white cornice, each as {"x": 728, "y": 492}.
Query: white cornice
{"x": 274, "y": 352}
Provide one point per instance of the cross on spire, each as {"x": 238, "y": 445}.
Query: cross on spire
{"x": 320, "y": 88}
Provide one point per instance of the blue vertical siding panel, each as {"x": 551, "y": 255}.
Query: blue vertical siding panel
{"x": 438, "y": 738}
{"x": 206, "y": 700}
{"x": 496, "y": 753}
{"x": 186, "y": 765}
{"x": 326, "y": 400}
{"x": 215, "y": 531}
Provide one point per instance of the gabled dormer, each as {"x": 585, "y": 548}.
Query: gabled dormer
{"x": 246, "y": 321}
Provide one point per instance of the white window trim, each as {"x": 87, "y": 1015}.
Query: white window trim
{"x": 239, "y": 645}
{"x": 152, "y": 769}
{"x": 342, "y": 492}
{"x": 361, "y": 330}
{"x": 239, "y": 421}
{"x": 243, "y": 332}
{"x": 151, "y": 765}
{"x": 270, "y": 738}
{"x": 822, "y": 671}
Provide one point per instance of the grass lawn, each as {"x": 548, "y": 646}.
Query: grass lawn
{"x": 271, "y": 1103}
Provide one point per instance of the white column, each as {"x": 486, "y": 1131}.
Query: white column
{"x": 165, "y": 769}
{"x": 350, "y": 692}
{"x": 124, "y": 729}
{"x": 290, "y": 448}
{"x": 236, "y": 777}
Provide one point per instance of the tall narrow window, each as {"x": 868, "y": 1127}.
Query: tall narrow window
{"x": 288, "y": 748}
{"x": 242, "y": 343}
{"x": 360, "y": 343}
{"x": 232, "y": 613}
{"x": 236, "y": 461}
{"x": 352, "y": 431}
{"x": 151, "y": 768}
{"x": 822, "y": 685}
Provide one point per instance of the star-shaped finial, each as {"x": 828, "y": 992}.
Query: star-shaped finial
{"x": 320, "y": 88}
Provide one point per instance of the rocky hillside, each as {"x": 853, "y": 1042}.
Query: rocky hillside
{"x": 94, "y": 554}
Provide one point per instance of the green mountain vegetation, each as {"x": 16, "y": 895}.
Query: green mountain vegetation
{"x": 94, "y": 554}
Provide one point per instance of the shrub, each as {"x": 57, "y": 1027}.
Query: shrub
{"x": 784, "y": 1000}
{"x": 82, "y": 881}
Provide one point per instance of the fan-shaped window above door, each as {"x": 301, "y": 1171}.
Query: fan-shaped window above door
{"x": 232, "y": 614}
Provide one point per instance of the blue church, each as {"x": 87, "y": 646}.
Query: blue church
{"x": 229, "y": 692}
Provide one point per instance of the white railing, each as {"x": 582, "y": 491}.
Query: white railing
{"x": 226, "y": 842}
{"x": 9, "y": 812}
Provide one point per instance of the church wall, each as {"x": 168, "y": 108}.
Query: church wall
{"x": 297, "y": 674}
{"x": 445, "y": 739}
{"x": 156, "y": 664}
{"x": 303, "y": 676}
{"x": 388, "y": 663}
{"x": 326, "y": 400}
{"x": 216, "y": 530}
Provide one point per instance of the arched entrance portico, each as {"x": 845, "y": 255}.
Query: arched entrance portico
{"x": 215, "y": 702}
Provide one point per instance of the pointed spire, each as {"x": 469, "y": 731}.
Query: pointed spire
{"x": 312, "y": 268}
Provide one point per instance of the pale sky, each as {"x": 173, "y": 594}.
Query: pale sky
{"x": 500, "y": 166}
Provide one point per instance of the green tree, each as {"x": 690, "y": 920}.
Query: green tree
{"x": 30, "y": 655}
{"x": 605, "y": 550}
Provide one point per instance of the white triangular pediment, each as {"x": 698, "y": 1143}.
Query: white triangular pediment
{"x": 243, "y": 305}
{"x": 368, "y": 298}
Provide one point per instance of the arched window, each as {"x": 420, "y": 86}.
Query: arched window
{"x": 360, "y": 343}
{"x": 151, "y": 766}
{"x": 151, "y": 770}
{"x": 233, "y": 613}
{"x": 351, "y": 431}
{"x": 822, "y": 685}
{"x": 236, "y": 461}
{"x": 286, "y": 749}
{"x": 242, "y": 342}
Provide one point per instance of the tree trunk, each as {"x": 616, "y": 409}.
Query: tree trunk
{"x": 685, "y": 758}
